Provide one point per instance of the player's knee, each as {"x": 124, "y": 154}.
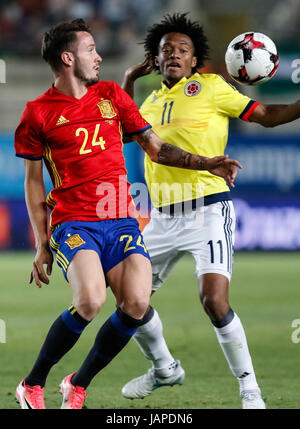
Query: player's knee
{"x": 88, "y": 308}
{"x": 215, "y": 304}
{"x": 135, "y": 307}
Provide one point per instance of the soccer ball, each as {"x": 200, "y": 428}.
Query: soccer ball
{"x": 251, "y": 58}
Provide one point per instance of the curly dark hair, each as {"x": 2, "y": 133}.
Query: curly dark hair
{"x": 177, "y": 23}
{"x": 61, "y": 37}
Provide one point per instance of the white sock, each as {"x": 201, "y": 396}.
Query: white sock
{"x": 233, "y": 342}
{"x": 150, "y": 339}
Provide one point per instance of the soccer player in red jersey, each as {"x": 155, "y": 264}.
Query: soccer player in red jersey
{"x": 76, "y": 127}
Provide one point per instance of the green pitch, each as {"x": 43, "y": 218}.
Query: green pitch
{"x": 264, "y": 292}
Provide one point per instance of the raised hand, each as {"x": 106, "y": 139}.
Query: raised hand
{"x": 134, "y": 72}
{"x": 140, "y": 69}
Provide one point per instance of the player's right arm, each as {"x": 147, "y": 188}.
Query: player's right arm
{"x": 130, "y": 76}
{"x": 133, "y": 73}
{"x": 35, "y": 196}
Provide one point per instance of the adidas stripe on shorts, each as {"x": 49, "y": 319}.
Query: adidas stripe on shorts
{"x": 206, "y": 233}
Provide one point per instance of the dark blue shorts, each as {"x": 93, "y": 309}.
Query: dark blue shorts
{"x": 112, "y": 239}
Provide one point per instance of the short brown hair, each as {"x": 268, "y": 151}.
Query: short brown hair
{"x": 60, "y": 38}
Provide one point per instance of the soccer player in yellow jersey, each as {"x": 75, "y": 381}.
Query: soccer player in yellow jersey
{"x": 192, "y": 210}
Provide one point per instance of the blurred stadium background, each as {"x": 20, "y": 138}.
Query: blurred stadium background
{"x": 267, "y": 192}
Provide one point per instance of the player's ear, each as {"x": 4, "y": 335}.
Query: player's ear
{"x": 194, "y": 62}
{"x": 67, "y": 58}
{"x": 156, "y": 62}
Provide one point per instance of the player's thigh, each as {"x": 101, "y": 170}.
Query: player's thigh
{"x": 86, "y": 278}
{"x": 131, "y": 282}
{"x": 213, "y": 287}
{"x": 215, "y": 251}
{"x": 161, "y": 238}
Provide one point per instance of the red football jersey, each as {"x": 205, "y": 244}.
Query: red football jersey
{"x": 80, "y": 141}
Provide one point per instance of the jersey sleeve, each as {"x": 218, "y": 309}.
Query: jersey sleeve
{"x": 28, "y": 142}
{"x": 131, "y": 119}
{"x": 230, "y": 102}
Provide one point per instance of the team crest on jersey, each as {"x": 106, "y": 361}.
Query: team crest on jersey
{"x": 74, "y": 241}
{"x": 192, "y": 88}
{"x": 107, "y": 109}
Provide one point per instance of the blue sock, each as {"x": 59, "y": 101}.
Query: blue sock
{"x": 110, "y": 340}
{"x": 61, "y": 337}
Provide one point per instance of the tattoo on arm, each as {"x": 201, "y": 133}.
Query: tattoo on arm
{"x": 170, "y": 155}
{"x": 145, "y": 138}
{"x": 174, "y": 156}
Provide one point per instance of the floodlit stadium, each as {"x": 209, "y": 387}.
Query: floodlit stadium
{"x": 264, "y": 290}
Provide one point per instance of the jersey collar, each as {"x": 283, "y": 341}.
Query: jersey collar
{"x": 182, "y": 81}
{"x": 56, "y": 93}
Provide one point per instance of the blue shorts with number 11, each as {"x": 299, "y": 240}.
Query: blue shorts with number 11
{"x": 112, "y": 239}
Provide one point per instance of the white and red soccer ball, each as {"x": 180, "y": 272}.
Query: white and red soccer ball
{"x": 251, "y": 58}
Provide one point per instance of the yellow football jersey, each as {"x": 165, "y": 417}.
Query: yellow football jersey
{"x": 193, "y": 115}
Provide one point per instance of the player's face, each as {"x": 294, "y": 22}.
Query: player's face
{"x": 175, "y": 57}
{"x": 87, "y": 60}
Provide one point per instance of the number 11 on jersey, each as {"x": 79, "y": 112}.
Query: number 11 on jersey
{"x": 169, "y": 112}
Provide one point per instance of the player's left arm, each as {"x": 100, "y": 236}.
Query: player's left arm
{"x": 271, "y": 115}
{"x": 167, "y": 154}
